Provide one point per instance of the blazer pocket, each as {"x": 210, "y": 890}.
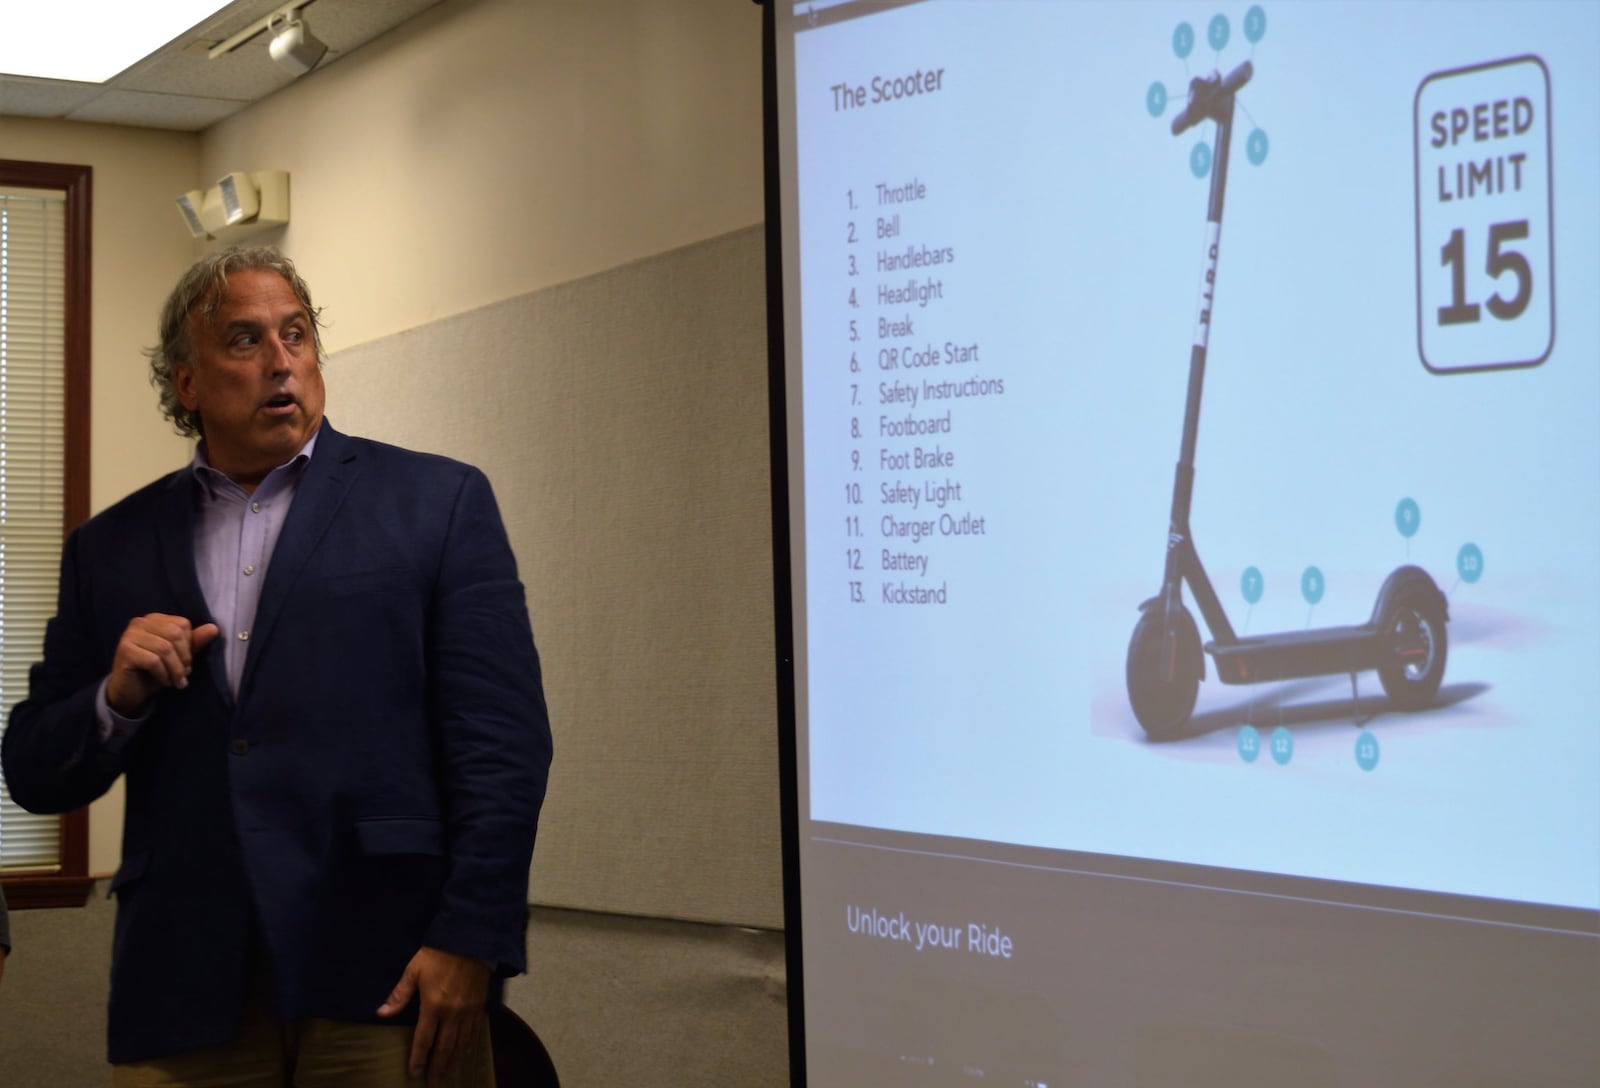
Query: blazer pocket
{"x": 400, "y": 836}
{"x": 361, "y": 583}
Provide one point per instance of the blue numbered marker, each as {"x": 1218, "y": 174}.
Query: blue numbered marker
{"x": 1249, "y": 744}
{"x": 1251, "y": 584}
{"x": 1255, "y": 24}
{"x": 1469, "y": 563}
{"x": 1155, "y": 99}
{"x": 1366, "y": 751}
{"x": 1256, "y": 147}
{"x": 1200, "y": 160}
{"x": 1282, "y": 743}
{"x": 1312, "y": 585}
{"x": 1217, "y": 32}
{"x": 1408, "y": 518}
{"x": 1183, "y": 41}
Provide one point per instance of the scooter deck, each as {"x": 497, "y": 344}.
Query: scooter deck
{"x": 1288, "y": 655}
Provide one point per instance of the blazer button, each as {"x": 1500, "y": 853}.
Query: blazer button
{"x": 241, "y": 746}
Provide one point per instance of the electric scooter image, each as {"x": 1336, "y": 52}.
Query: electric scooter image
{"x": 1404, "y": 640}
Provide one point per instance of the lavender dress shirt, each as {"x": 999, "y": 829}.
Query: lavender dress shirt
{"x": 235, "y": 532}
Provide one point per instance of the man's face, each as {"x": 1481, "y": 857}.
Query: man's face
{"x": 253, "y": 377}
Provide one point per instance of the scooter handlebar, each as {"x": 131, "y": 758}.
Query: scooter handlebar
{"x": 1205, "y": 93}
{"x": 1238, "y": 77}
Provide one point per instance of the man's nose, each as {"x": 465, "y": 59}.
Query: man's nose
{"x": 278, "y": 355}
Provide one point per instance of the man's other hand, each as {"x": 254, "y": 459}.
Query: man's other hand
{"x": 452, "y": 990}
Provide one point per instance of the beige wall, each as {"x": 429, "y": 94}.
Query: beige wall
{"x": 490, "y": 148}
{"x": 140, "y": 249}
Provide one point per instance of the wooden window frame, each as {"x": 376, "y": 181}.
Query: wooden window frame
{"x": 68, "y": 885}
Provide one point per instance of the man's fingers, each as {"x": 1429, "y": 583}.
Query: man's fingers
{"x": 422, "y": 1038}
{"x": 157, "y": 660}
{"x": 400, "y": 996}
{"x": 422, "y": 1043}
{"x": 156, "y": 651}
{"x": 445, "y": 1040}
{"x": 187, "y": 643}
{"x": 141, "y": 668}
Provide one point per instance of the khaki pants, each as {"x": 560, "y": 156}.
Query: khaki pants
{"x": 268, "y": 1053}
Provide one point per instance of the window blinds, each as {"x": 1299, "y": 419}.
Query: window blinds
{"x": 32, "y": 456}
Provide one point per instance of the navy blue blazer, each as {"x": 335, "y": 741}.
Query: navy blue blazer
{"x": 374, "y": 788}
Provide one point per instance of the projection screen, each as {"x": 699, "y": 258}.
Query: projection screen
{"x": 1187, "y": 421}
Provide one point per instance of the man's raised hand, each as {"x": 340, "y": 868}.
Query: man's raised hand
{"x": 155, "y": 651}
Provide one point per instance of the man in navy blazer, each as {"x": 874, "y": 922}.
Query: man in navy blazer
{"x": 310, "y": 655}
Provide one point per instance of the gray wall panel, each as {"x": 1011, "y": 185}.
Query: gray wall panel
{"x": 623, "y": 421}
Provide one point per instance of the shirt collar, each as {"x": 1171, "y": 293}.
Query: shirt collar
{"x": 211, "y": 479}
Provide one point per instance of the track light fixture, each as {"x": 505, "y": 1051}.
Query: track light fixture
{"x": 293, "y": 46}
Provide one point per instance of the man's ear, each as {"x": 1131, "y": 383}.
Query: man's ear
{"x": 183, "y": 382}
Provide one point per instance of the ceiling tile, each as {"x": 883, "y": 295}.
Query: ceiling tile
{"x": 246, "y": 74}
{"x": 20, "y": 97}
{"x": 170, "y": 111}
{"x": 179, "y": 87}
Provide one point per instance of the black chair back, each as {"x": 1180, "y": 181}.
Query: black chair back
{"x": 520, "y": 1059}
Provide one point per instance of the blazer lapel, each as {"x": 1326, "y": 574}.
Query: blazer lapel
{"x": 175, "y": 521}
{"x": 175, "y": 537}
{"x": 326, "y": 481}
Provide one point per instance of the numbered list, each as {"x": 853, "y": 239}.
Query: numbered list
{"x": 913, "y": 504}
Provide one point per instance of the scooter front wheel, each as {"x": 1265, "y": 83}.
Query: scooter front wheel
{"x": 1164, "y": 670}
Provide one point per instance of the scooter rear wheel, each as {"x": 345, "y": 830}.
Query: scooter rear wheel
{"x": 1164, "y": 671}
{"x": 1419, "y": 647}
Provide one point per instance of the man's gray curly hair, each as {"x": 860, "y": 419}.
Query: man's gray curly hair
{"x": 198, "y": 294}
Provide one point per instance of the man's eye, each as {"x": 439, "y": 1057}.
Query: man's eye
{"x": 244, "y": 340}
{"x": 294, "y": 336}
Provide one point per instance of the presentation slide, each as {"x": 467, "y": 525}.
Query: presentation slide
{"x": 1194, "y": 462}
